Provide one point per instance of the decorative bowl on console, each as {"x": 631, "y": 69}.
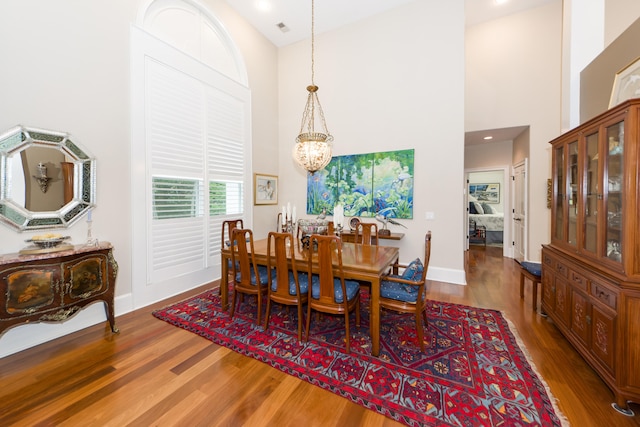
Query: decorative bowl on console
{"x": 47, "y": 241}
{"x": 307, "y": 227}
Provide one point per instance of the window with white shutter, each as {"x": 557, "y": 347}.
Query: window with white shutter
{"x": 191, "y": 154}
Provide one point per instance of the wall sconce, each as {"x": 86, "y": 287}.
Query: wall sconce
{"x": 42, "y": 178}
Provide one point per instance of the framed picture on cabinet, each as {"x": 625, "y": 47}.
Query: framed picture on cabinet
{"x": 626, "y": 84}
{"x": 265, "y": 189}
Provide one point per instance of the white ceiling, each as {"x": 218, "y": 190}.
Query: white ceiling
{"x": 332, "y": 14}
{"x": 497, "y": 135}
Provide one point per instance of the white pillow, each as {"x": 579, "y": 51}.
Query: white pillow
{"x": 488, "y": 209}
{"x": 478, "y": 207}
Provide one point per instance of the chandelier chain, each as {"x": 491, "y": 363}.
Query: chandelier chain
{"x": 313, "y": 24}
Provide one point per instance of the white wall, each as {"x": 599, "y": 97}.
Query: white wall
{"x": 513, "y": 77}
{"x": 65, "y": 66}
{"x": 484, "y": 156}
{"x": 390, "y": 82}
{"x": 618, "y": 15}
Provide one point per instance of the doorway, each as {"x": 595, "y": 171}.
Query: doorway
{"x": 488, "y": 207}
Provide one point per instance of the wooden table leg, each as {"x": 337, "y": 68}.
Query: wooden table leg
{"x": 374, "y": 317}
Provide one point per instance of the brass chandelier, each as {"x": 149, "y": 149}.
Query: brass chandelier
{"x": 312, "y": 150}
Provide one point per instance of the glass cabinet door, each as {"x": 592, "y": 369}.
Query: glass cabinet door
{"x": 614, "y": 183}
{"x": 559, "y": 191}
{"x": 591, "y": 194}
{"x": 572, "y": 238}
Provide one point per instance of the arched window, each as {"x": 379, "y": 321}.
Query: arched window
{"x": 191, "y": 146}
{"x": 193, "y": 30}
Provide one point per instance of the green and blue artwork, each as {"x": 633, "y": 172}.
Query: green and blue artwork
{"x": 365, "y": 184}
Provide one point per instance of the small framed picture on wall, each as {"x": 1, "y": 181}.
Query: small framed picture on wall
{"x": 265, "y": 189}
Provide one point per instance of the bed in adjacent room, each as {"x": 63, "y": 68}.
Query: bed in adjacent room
{"x": 485, "y": 215}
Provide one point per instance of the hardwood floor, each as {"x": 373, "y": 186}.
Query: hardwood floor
{"x": 153, "y": 373}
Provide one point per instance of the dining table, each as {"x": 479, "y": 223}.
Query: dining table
{"x": 365, "y": 263}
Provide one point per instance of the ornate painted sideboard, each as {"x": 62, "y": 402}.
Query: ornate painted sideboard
{"x": 51, "y": 287}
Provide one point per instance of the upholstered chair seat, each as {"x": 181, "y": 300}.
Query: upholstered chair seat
{"x": 353, "y": 288}
{"x": 263, "y": 275}
{"x": 303, "y": 280}
{"x": 398, "y": 291}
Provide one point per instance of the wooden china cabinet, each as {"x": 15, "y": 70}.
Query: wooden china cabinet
{"x": 591, "y": 268}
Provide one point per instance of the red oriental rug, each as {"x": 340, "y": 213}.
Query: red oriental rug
{"x": 472, "y": 373}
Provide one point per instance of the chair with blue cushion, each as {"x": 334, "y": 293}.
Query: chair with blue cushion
{"x": 329, "y": 292}
{"x": 407, "y": 293}
{"x": 227, "y": 228}
{"x": 248, "y": 277}
{"x": 289, "y": 286}
{"x": 367, "y": 233}
{"x": 533, "y": 272}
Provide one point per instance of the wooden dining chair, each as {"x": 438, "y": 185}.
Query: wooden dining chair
{"x": 248, "y": 277}
{"x": 288, "y": 286}
{"x": 279, "y": 227}
{"x": 329, "y": 292}
{"x": 227, "y": 228}
{"x": 407, "y": 293}
{"x": 367, "y": 233}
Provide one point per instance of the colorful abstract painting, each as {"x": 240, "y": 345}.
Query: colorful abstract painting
{"x": 364, "y": 184}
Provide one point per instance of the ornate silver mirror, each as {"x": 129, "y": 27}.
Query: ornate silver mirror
{"x": 47, "y": 180}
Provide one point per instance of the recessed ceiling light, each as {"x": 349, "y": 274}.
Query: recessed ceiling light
{"x": 500, "y": 1}
{"x": 263, "y": 5}
{"x": 487, "y": 138}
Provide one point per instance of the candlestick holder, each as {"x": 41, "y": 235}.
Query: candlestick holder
{"x": 91, "y": 241}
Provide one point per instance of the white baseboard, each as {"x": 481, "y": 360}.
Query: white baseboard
{"x": 447, "y": 275}
{"x": 30, "y": 335}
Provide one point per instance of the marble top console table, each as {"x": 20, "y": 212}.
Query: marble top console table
{"x": 53, "y": 286}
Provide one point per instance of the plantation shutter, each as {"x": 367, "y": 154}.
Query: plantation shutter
{"x": 226, "y": 159}
{"x": 176, "y": 134}
{"x": 197, "y": 136}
